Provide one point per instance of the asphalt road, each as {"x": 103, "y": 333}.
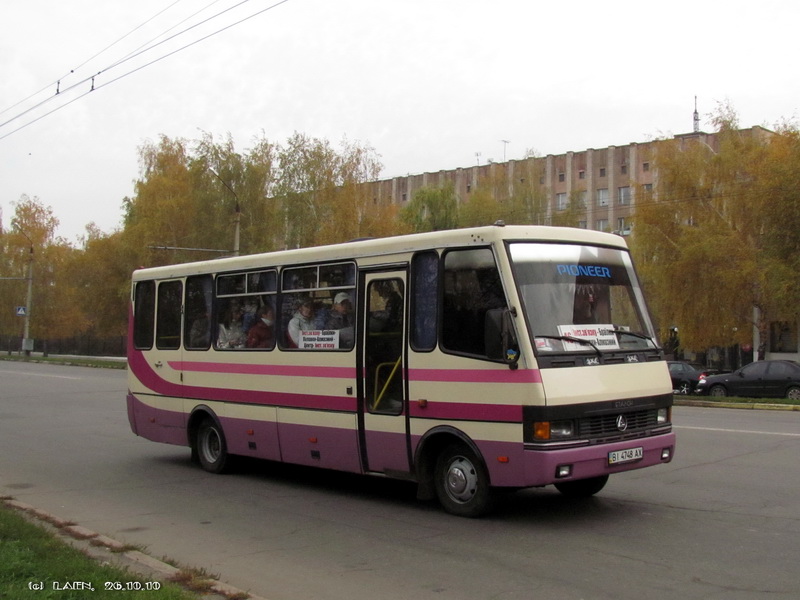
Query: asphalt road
{"x": 721, "y": 521}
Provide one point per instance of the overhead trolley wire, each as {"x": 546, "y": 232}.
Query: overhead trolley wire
{"x": 131, "y": 56}
{"x": 72, "y": 71}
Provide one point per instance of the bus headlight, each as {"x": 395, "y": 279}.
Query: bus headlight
{"x": 663, "y": 416}
{"x": 548, "y": 430}
{"x": 561, "y": 429}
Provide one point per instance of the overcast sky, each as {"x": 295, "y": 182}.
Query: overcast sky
{"x": 427, "y": 83}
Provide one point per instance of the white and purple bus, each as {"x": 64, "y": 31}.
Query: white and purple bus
{"x": 465, "y": 361}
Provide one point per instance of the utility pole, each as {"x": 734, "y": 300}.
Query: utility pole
{"x": 27, "y": 342}
{"x": 238, "y": 216}
{"x": 505, "y": 143}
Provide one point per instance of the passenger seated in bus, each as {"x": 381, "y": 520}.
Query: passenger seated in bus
{"x": 262, "y": 334}
{"x": 341, "y": 318}
{"x": 391, "y": 317}
{"x": 200, "y": 331}
{"x": 303, "y": 320}
{"x": 249, "y": 313}
{"x": 231, "y": 331}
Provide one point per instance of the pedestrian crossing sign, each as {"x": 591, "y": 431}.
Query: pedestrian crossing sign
{"x": 22, "y": 311}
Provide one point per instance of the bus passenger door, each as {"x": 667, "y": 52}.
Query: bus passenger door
{"x": 382, "y": 389}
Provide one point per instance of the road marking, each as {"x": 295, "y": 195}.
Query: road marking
{"x": 31, "y": 374}
{"x": 736, "y": 430}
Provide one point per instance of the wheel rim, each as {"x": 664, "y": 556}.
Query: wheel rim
{"x": 461, "y": 480}
{"x": 718, "y": 391}
{"x": 211, "y": 445}
{"x": 794, "y": 393}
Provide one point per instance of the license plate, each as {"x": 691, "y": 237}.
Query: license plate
{"x": 624, "y": 456}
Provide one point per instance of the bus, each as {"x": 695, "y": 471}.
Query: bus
{"x": 466, "y": 361}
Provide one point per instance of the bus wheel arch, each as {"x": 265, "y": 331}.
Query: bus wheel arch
{"x": 450, "y": 467}
{"x": 207, "y": 441}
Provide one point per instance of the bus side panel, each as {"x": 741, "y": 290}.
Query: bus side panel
{"x": 305, "y": 441}
{"x": 249, "y": 430}
{"x": 383, "y": 454}
{"x": 166, "y": 425}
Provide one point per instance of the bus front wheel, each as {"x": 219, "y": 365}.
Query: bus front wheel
{"x": 462, "y": 482}
{"x": 212, "y": 451}
{"x": 582, "y": 488}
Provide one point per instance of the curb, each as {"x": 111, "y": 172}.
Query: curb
{"x": 738, "y": 405}
{"x": 100, "y": 547}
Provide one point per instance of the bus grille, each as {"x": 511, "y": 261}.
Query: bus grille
{"x": 606, "y": 425}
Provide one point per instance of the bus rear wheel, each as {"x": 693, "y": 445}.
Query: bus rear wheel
{"x": 462, "y": 482}
{"x": 212, "y": 451}
{"x": 582, "y": 488}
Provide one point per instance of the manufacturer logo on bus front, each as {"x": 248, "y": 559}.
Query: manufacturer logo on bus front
{"x": 622, "y": 423}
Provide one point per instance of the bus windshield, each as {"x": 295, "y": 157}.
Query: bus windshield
{"x": 581, "y": 298}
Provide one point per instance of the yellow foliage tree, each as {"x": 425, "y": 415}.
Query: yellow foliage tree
{"x": 702, "y": 239}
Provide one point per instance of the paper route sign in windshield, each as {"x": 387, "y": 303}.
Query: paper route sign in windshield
{"x": 602, "y": 336}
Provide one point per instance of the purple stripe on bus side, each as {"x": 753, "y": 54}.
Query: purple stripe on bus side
{"x": 145, "y": 373}
{"x": 282, "y": 370}
{"x": 505, "y": 413}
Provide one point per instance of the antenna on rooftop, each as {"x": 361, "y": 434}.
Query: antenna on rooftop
{"x": 696, "y": 117}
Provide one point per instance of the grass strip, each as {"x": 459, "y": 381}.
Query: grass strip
{"x": 35, "y": 563}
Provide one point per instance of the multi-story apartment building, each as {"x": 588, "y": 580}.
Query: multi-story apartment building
{"x": 593, "y": 188}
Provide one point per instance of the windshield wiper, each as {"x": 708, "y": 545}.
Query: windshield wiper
{"x": 633, "y": 334}
{"x": 569, "y": 338}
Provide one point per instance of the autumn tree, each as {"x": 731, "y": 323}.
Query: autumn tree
{"x": 703, "y": 241}
{"x": 101, "y": 272}
{"x": 431, "y": 209}
{"x": 162, "y": 212}
{"x": 322, "y": 195}
{"x": 31, "y": 241}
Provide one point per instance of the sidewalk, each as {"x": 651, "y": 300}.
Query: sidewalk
{"x": 680, "y": 401}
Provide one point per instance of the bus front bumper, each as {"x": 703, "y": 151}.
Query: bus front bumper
{"x": 547, "y": 466}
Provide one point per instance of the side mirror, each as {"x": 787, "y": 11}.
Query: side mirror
{"x": 500, "y": 338}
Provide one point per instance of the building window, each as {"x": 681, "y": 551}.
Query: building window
{"x": 602, "y": 171}
{"x": 624, "y": 169}
{"x": 582, "y": 198}
{"x": 561, "y": 177}
{"x": 601, "y": 225}
{"x": 622, "y": 226}
{"x": 561, "y": 201}
{"x": 583, "y": 224}
{"x": 646, "y": 167}
{"x": 602, "y": 197}
{"x": 581, "y": 174}
{"x": 624, "y": 195}
{"x": 783, "y": 336}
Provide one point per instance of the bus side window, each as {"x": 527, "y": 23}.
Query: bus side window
{"x": 472, "y": 287}
{"x": 197, "y": 330}
{"x": 168, "y": 316}
{"x": 144, "y": 314}
{"x": 425, "y": 301}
